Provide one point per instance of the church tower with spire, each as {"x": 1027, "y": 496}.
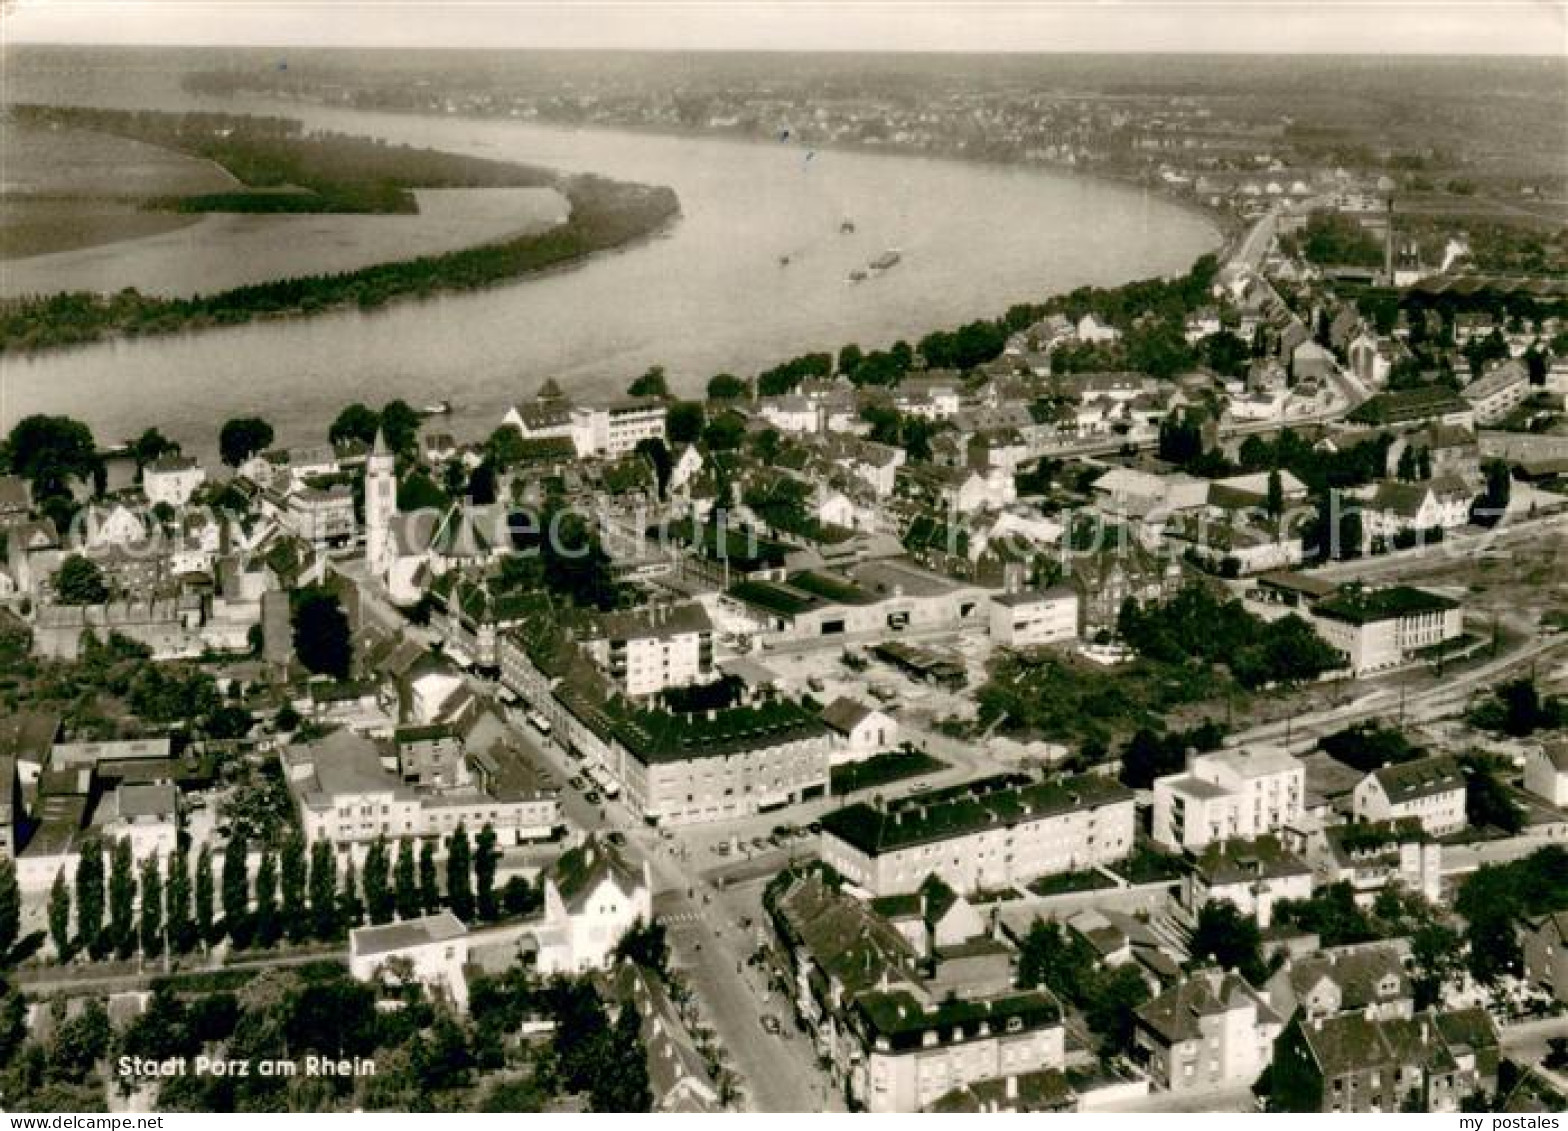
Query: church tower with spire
{"x": 380, "y": 506}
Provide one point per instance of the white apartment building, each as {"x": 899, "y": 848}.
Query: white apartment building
{"x": 647, "y": 650}
{"x": 616, "y": 429}
{"x": 1400, "y": 508}
{"x": 1209, "y": 1032}
{"x": 1228, "y": 794}
{"x": 1430, "y": 790}
{"x": 172, "y": 480}
{"x": 592, "y": 896}
{"x": 346, "y": 795}
{"x": 982, "y": 835}
{"x": 915, "y": 1051}
{"x": 1378, "y": 629}
{"x": 1495, "y": 394}
{"x": 1030, "y": 619}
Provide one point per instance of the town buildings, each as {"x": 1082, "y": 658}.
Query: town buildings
{"x": 1429, "y": 790}
{"x": 434, "y": 947}
{"x": 1228, "y": 794}
{"x": 1028, "y": 619}
{"x": 896, "y": 1035}
{"x": 1375, "y": 629}
{"x": 1210, "y": 1031}
{"x": 984, "y": 835}
{"x": 648, "y": 650}
{"x": 592, "y": 896}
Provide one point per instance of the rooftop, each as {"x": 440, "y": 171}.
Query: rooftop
{"x": 391, "y": 937}
{"x": 1368, "y": 606}
{"x": 1426, "y": 777}
{"x": 1007, "y": 799}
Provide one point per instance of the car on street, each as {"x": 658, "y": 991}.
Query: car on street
{"x": 592, "y": 797}
{"x": 771, "y": 1024}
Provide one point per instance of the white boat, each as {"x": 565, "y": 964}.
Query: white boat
{"x": 440, "y": 408}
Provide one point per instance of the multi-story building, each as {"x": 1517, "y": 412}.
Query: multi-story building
{"x": 1397, "y": 511}
{"x": 1209, "y": 1032}
{"x": 719, "y": 765}
{"x": 1251, "y": 875}
{"x": 1369, "y": 979}
{"x": 1228, "y": 794}
{"x": 1382, "y": 628}
{"x": 1030, "y": 619}
{"x": 896, "y": 1032}
{"x": 648, "y": 650}
{"x": 321, "y": 516}
{"x": 617, "y": 428}
{"x": 172, "y": 480}
{"x": 1429, "y": 790}
{"x": 1371, "y": 856}
{"x": 1354, "y": 1062}
{"x": 1499, "y": 391}
{"x": 983, "y": 835}
{"x": 1546, "y": 953}
{"x": 345, "y": 796}
{"x": 592, "y": 896}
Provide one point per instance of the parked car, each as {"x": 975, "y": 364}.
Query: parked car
{"x": 771, "y": 1024}
{"x": 592, "y": 797}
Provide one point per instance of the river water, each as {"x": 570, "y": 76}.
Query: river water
{"x": 754, "y": 272}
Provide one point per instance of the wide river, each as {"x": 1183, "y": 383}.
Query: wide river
{"x": 715, "y": 294}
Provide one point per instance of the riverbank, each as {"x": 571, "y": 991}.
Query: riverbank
{"x": 604, "y": 215}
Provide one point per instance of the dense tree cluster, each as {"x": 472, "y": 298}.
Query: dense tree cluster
{"x": 1495, "y": 898}
{"x": 1518, "y": 709}
{"x": 1197, "y": 626}
{"x": 1054, "y": 958}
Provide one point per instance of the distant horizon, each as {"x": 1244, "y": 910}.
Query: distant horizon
{"x": 930, "y": 52}
{"x": 1378, "y": 28}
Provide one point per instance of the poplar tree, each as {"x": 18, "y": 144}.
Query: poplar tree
{"x": 122, "y": 899}
{"x": 406, "y": 881}
{"x": 268, "y": 928}
{"x": 89, "y": 898}
{"x": 60, "y": 916}
{"x": 486, "y": 856}
{"x": 10, "y": 909}
{"x": 236, "y": 890}
{"x": 324, "y": 890}
{"x": 459, "y": 877}
{"x": 351, "y": 909}
{"x": 152, "y": 908}
{"x": 429, "y": 885}
{"x": 295, "y": 921}
{"x": 204, "y": 897}
{"x": 177, "y": 902}
{"x": 379, "y": 900}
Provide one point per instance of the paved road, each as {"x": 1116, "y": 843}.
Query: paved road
{"x": 710, "y": 945}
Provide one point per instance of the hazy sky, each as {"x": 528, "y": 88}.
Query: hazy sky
{"x": 1272, "y": 26}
